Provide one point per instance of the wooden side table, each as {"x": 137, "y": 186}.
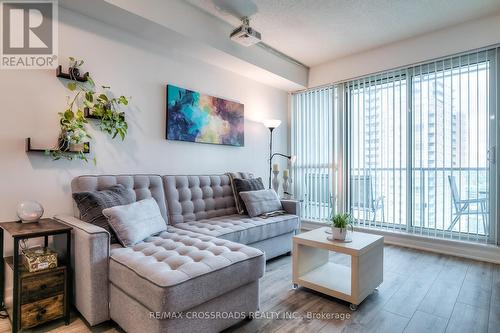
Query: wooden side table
{"x": 44, "y": 295}
{"x": 313, "y": 269}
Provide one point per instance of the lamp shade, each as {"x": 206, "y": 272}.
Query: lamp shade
{"x": 272, "y": 123}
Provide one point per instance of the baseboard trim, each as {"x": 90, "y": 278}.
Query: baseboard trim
{"x": 463, "y": 249}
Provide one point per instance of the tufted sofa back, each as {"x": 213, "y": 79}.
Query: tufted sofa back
{"x": 144, "y": 186}
{"x": 192, "y": 198}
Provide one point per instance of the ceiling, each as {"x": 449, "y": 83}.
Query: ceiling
{"x": 317, "y": 31}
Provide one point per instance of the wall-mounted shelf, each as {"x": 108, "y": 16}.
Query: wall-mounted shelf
{"x": 80, "y": 78}
{"x": 29, "y": 148}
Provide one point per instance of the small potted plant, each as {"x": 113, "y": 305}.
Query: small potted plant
{"x": 73, "y": 139}
{"x": 340, "y": 223}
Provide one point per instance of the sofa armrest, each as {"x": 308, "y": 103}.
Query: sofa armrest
{"x": 291, "y": 206}
{"x": 90, "y": 263}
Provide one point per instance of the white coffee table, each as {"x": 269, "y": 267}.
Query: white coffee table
{"x": 313, "y": 269}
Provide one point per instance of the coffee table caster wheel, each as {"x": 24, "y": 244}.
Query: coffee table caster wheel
{"x": 295, "y": 286}
{"x": 353, "y": 307}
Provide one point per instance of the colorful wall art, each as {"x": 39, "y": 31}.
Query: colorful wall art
{"x": 195, "y": 117}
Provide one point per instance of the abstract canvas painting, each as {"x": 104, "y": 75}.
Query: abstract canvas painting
{"x": 195, "y": 117}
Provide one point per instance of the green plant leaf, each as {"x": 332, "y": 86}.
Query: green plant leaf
{"x": 88, "y": 104}
{"x": 72, "y": 86}
{"x": 68, "y": 115}
{"x": 123, "y": 100}
{"x": 90, "y": 81}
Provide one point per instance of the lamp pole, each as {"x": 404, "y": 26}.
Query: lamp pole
{"x": 270, "y": 153}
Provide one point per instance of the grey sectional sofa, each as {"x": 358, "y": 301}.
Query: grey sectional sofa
{"x": 208, "y": 262}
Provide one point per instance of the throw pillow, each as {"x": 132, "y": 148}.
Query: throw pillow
{"x": 240, "y": 207}
{"x": 135, "y": 222}
{"x": 91, "y": 204}
{"x": 245, "y": 185}
{"x": 261, "y": 202}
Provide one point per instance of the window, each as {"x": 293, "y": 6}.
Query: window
{"x": 419, "y": 149}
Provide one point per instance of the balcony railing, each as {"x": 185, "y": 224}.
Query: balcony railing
{"x": 445, "y": 202}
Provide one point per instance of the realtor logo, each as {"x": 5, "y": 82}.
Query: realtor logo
{"x": 29, "y": 34}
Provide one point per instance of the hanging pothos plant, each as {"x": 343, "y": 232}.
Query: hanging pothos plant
{"x": 100, "y": 105}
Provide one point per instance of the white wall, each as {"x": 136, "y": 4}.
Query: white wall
{"x": 463, "y": 37}
{"x": 30, "y": 100}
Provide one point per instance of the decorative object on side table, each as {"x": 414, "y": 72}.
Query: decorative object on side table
{"x": 34, "y": 298}
{"x": 196, "y": 117}
{"x": 272, "y": 124}
{"x": 39, "y": 258}
{"x": 29, "y": 211}
{"x": 339, "y": 224}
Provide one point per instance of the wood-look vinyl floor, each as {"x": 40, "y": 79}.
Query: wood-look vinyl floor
{"x": 422, "y": 292}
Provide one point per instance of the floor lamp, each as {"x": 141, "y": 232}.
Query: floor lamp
{"x": 271, "y": 124}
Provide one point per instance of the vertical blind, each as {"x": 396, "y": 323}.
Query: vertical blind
{"x": 421, "y": 154}
{"x": 377, "y": 120}
{"x": 313, "y": 124}
{"x": 452, "y": 115}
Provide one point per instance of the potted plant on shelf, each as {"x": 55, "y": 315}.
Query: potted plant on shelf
{"x": 72, "y": 142}
{"x": 340, "y": 223}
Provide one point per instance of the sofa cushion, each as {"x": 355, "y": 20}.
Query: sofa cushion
{"x": 192, "y": 198}
{"x": 240, "y": 206}
{"x": 261, "y": 202}
{"x": 92, "y": 203}
{"x": 243, "y": 229}
{"x": 134, "y": 222}
{"x": 243, "y": 185}
{"x": 178, "y": 269}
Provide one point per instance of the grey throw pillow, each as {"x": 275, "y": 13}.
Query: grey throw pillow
{"x": 91, "y": 204}
{"x": 135, "y": 222}
{"x": 245, "y": 185}
{"x": 240, "y": 206}
{"x": 261, "y": 202}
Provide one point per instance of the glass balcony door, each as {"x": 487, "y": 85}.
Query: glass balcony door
{"x": 422, "y": 148}
{"x": 451, "y": 141}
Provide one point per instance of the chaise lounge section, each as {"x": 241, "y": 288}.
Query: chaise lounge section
{"x": 205, "y": 205}
{"x": 209, "y": 260}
